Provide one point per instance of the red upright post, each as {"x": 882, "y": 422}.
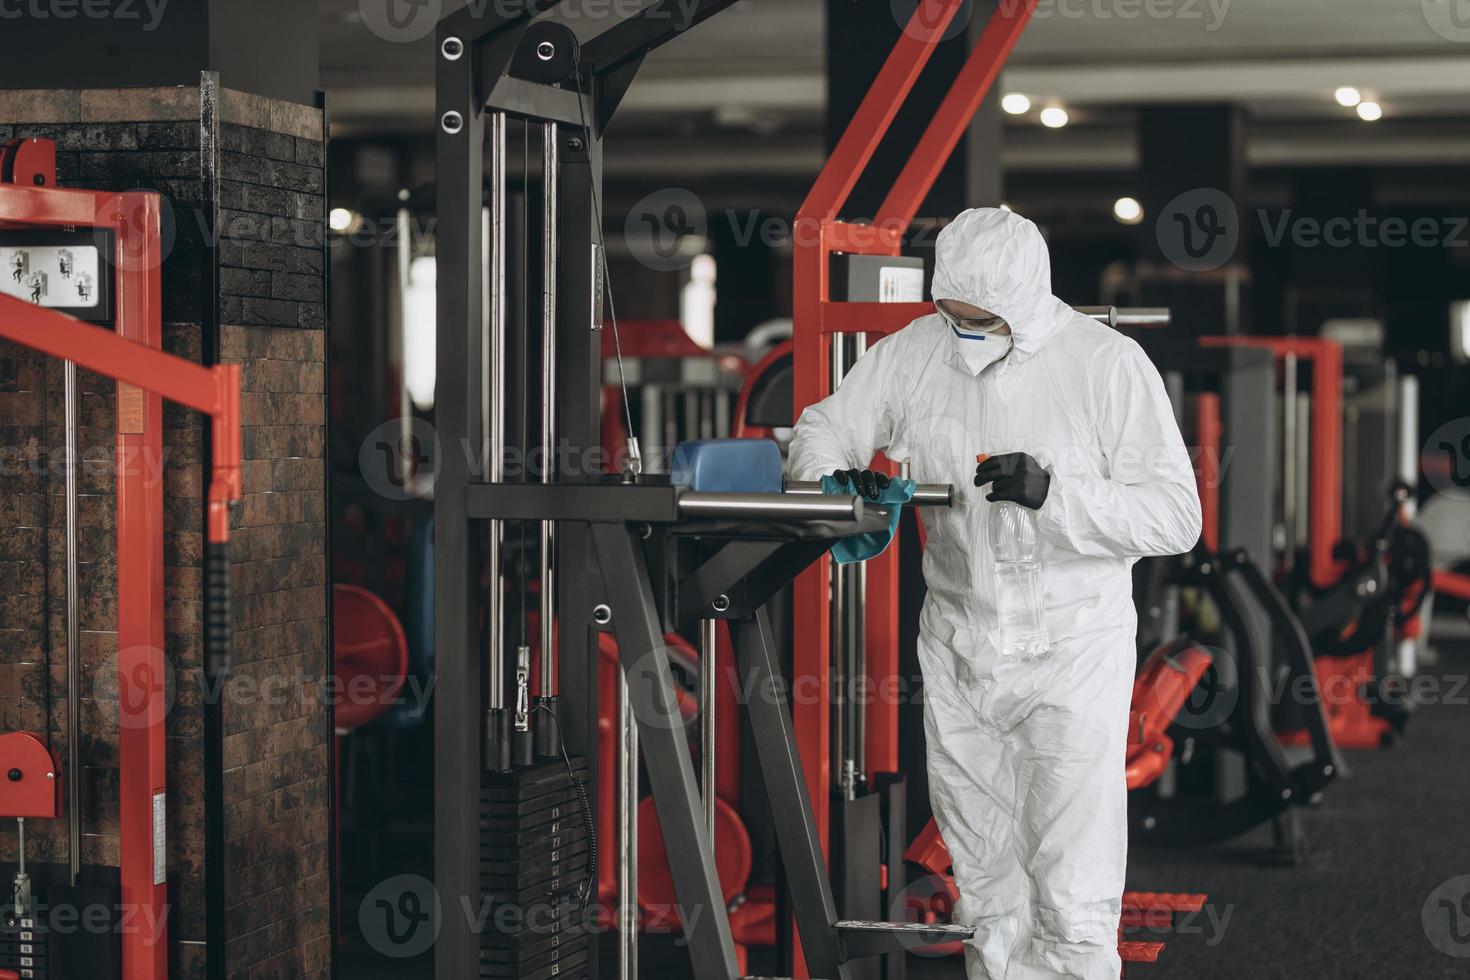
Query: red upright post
{"x": 142, "y": 773}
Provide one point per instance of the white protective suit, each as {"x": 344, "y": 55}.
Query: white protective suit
{"x": 1025, "y": 759}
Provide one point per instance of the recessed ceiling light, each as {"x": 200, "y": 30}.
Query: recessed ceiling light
{"x": 1054, "y": 117}
{"x": 1347, "y": 96}
{"x": 1370, "y": 111}
{"x": 1127, "y": 210}
{"x": 1015, "y": 103}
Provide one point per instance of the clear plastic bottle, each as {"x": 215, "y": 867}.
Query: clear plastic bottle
{"x": 1018, "y": 589}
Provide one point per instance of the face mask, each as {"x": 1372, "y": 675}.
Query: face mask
{"x": 979, "y": 325}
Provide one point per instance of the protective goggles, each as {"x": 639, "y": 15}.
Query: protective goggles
{"x": 970, "y": 325}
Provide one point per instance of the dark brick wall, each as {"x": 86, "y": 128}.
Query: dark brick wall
{"x": 272, "y": 319}
{"x": 273, "y": 311}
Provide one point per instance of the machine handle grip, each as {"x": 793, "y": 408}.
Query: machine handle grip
{"x": 217, "y": 620}
{"x": 925, "y": 494}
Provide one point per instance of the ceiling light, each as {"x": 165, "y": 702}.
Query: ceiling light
{"x": 1054, "y": 117}
{"x": 1015, "y": 103}
{"x": 1347, "y": 96}
{"x": 1128, "y": 210}
{"x": 341, "y": 219}
{"x": 1370, "y": 111}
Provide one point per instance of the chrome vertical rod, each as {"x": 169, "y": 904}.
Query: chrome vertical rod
{"x": 73, "y": 636}
{"x": 550, "y": 188}
{"x": 838, "y": 653}
{"x": 708, "y": 684}
{"x": 627, "y": 834}
{"x": 858, "y": 750}
{"x": 497, "y": 733}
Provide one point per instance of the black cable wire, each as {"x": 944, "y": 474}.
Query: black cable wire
{"x": 612, "y": 309}
{"x": 580, "y": 786}
{"x": 525, "y": 358}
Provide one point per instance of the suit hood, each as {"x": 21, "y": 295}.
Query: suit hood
{"x": 998, "y": 261}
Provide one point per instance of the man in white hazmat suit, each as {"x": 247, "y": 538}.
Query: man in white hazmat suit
{"x": 1025, "y": 758}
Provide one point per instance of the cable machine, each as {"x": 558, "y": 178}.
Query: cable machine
{"x": 633, "y": 555}
{"x": 99, "y": 252}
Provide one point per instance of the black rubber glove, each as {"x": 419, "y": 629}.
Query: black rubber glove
{"x": 869, "y": 483}
{"x": 1017, "y": 477}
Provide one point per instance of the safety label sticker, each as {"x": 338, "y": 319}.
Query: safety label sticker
{"x": 897, "y": 284}
{"x": 160, "y": 838}
{"x": 50, "y": 275}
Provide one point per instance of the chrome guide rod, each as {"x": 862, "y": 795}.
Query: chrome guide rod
{"x": 73, "y": 637}
{"x": 550, "y": 217}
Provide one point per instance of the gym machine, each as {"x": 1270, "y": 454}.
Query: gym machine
{"x": 1239, "y": 769}
{"x": 629, "y": 554}
{"x": 1357, "y": 592}
{"x": 91, "y": 260}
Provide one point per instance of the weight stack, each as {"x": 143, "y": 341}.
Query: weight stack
{"x": 535, "y": 848}
{"x": 23, "y": 945}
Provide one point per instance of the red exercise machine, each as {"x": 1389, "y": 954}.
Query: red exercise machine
{"x": 124, "y": 231}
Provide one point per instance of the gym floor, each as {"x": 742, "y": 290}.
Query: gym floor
{"x": 1385, "y": 838}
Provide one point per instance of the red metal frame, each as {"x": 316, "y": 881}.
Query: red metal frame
{"x": 815, "y": 315}
{"x": 1324, "y": 525}
{"x": 145, "y": 375}
{"x": 1452, "y": 584}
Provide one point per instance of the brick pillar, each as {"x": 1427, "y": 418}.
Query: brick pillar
{"x": 264, "y": 179}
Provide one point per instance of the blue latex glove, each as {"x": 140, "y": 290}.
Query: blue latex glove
{"x": 861, "y": 547}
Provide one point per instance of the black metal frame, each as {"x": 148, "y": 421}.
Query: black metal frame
{"x": 1254, "y": 613}
{"x": 478, "y": 71}
{"x": 611, "y": 539}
